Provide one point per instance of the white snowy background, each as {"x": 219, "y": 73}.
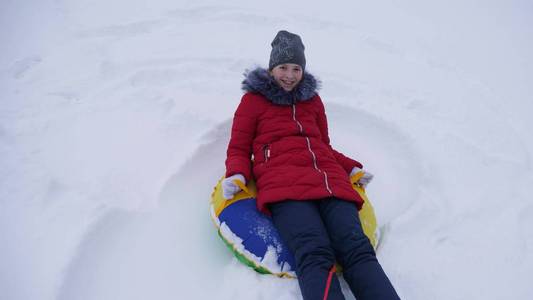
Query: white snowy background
{"x": 115, "y": 116}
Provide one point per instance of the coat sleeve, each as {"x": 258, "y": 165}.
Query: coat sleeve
{"x": 346, "y": 162}
{"x": 238, "y": 160}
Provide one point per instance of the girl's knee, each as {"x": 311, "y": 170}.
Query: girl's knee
{"x": 355, "y": 250}
{"x": 315, "y": 258}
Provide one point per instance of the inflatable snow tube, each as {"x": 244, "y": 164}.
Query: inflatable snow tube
{"x": 252, "y": 237}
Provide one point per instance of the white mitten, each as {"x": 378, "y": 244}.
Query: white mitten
{"x": 367, "y": 176}
{"x": 229, "y": 188}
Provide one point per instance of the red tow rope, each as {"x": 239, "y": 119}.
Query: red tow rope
{"x": 328, "y": 283}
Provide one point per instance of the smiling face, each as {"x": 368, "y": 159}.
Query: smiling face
{"x": 287, "y": 75}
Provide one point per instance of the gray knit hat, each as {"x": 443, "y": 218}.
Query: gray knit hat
{"x": 287, "y": 48}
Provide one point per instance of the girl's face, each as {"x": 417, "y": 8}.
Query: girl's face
{"x": 287, "y": 75}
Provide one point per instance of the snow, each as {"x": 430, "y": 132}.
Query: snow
{"x": 114, "y": 119}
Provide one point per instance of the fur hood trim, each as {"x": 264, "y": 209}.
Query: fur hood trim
{"x": 260, "y": 81}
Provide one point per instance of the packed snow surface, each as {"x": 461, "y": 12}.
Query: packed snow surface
{"x": 115, "y": 117}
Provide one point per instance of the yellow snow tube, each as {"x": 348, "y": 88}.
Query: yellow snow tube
{"x": 252, "y": 237}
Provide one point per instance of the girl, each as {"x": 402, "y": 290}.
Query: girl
{"x": 302, "y": 182}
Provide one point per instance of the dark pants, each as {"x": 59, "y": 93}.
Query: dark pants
{"x": 321, "y": 232}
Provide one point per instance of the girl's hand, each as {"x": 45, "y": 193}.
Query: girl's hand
{"x": 365, "y": 180}
{"x": 229, "y": 188}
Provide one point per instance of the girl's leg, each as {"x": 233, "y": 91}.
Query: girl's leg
{"x": 300, "y": 225}
{"x": 355, "y": 253}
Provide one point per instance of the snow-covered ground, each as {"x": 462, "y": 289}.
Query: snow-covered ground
{"x": 115, "y": 115}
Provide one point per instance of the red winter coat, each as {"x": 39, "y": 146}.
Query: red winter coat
{"x": 287, "y": 134}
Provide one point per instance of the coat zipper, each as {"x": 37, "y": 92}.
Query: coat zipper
{"x": 266, "y": 152}
{"x": 300, "y": 127}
